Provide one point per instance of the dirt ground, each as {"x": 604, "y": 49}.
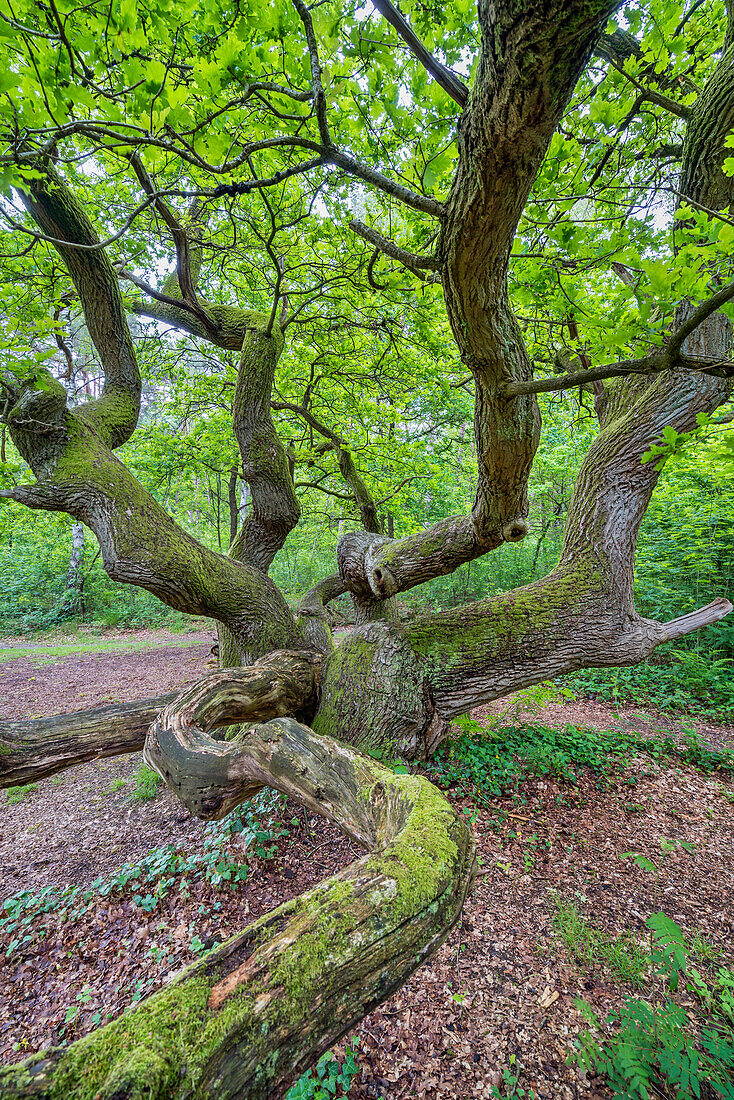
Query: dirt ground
{"x": 498, "y": 996}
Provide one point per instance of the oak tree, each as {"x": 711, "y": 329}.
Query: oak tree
{"x": 551, "y": 189}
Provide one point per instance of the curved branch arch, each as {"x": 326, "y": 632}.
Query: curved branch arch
{"x": 253, "y": 1015}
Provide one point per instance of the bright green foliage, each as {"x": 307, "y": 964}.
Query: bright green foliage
{"x": 327, "y": 1078}
{"x": 14, "y": 795}
{"x": 147, "y": 784}
{"x": 379, "y": 367}
{"x": 647, "y": 1050}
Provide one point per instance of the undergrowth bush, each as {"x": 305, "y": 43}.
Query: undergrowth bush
{"x": 665, "y": 1049}
{"x": 685, "y": 680}
{"x": 489, "y": 762}
{"x": 328, "y": 1077}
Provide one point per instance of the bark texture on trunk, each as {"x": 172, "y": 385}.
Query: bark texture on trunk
{"x": 35, "y": 748}
{"x": 57, "y": 211}
{"x": 252, "y": 1016}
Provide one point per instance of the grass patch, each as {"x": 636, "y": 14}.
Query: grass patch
{"x": 590, "y": 946}
{"x": 14, "y": 795}
{"x": 147, "y": 784}
{"x": 44, "y": 652}
{"x": 115, "y": 785}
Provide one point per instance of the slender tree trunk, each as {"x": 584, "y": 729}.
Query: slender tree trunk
{"x": 73, "y": 598}
{"x": 234, "y": 513}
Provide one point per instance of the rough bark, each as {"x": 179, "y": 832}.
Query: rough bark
{"x": 275, "y": 509}
{"x": 248, "y": 1019}
{"x": 36, "y": 748}
{"x": 61, "y": 216}
{"x": 234, "y": 511}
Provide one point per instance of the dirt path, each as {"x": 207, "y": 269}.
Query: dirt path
{"x": 477, "y": 1009}
{"x": 36, "y": 687}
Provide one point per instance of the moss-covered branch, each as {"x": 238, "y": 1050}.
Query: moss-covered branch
{"x": 141, "y": 544}
{"x": 253, "y": 1015}
{"x": 61, "y": 216}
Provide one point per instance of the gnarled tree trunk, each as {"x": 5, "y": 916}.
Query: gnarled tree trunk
{"x": 249, "y": 1018}
{"x": 246, "y": 1020}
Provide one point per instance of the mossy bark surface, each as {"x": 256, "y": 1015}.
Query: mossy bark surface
{"x": 251, "y": 1017}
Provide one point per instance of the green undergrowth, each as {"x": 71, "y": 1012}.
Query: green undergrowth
{"x": 660, "y": 1047}
{"x": 328, "y": 1077}
{"x": 591, "y": 946}
{"x": 147, "y": 784}
{"x": 687, "y": 681}
{"x": 160, "y": 872}
{"x": 490, "y": 762}
{"x": 14, "y": 795}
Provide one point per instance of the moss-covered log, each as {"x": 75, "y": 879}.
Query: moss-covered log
{"x": 247, "y": 1020}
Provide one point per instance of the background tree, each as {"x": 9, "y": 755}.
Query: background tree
{"x": 540, "y": 196}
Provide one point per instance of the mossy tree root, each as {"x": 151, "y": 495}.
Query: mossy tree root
{"x": 254, "y": 1014}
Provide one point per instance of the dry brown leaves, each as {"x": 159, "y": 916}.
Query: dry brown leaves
{"x": 499, "y": 996}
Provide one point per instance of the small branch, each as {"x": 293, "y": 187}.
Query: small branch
{"x": 166, "y": 299}
{"x": 669, "y": 357}
{"x": 78, "y": 246}
{"x": 244, "y": 187}
{"x": 648, "y": 365}
{"x": 180, "y": 239}
{"x": 448, "y": 80}
{"x": 616, "y": 49}
{"x": 319, "y": 97}
{"x": 371, "y": 273}
{"x": 704, "y": 616}
{"x": 361, "y": 494}
{"x": 412, "y": 260}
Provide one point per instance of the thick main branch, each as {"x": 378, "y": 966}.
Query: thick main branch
{"x": 59, "y": 213}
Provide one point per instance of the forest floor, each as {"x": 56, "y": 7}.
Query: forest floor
{"x": 496, "y": 1006}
